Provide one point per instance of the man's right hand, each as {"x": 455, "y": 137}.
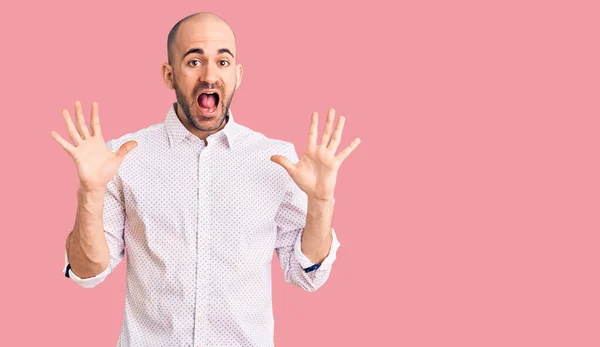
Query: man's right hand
{"x": 96, "y": 164}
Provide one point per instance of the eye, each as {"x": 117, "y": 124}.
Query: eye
{"x": 195, "y": 60}
{"x": 224, "y": 61}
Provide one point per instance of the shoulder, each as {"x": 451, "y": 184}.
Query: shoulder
{"x": 258, "y": 142}
{"x": 152, "y": 142}
{"x": 151, "y": 134}
{"x": 285, "y": 148}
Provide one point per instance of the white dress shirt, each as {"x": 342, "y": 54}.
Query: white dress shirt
{"x": 200, "y": 223}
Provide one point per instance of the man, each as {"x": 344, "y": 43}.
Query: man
{"x": 200, "y": 206}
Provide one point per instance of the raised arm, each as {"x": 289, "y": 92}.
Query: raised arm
{"x": 86, "y": 246}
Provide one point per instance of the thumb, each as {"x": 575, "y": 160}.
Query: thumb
{"x": 125, "y": 148}
{"x": 283, "y": 161}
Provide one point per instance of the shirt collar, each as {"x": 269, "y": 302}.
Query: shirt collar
{"x": 177, "y": 131}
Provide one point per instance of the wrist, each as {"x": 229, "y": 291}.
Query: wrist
{"x": 319, "y": 204}
{"x": 320, "y": 209}
{"x": 321, "y": 201}
{"x": 91, "y": 192}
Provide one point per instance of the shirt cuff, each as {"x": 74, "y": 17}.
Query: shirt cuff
{"x": 84, "y": 282}
{"x": 306, "y": 264}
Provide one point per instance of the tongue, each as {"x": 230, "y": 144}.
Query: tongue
{"x": 208, "y": 100}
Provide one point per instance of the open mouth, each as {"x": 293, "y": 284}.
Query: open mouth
{"x": 208, "y": 101}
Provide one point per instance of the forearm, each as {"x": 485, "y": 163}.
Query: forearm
{"x": 317, "y": 236}
{"x": 86, "y": 245}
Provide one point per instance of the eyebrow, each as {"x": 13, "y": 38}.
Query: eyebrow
{"x": 201, "y": 51}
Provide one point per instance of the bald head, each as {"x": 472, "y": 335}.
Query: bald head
{"x": 201, "y": 21}
{"x": 203, "y": 71}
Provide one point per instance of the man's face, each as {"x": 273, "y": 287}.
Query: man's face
{"x": 204, "y": 72}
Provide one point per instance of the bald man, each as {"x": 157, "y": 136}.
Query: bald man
{"x": 200, "y": 202}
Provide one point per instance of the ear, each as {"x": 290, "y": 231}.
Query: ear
{"x": 240, "y": 73}
{"x": 167, "y": 73}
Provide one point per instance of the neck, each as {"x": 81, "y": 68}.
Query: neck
{"x": 192, "y": 129}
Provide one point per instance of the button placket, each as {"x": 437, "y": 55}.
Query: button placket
{"x": 202, "y": 244}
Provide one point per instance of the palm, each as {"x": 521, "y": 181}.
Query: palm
{"x": 96, "y": 164}
{"x": 316, "y": 172}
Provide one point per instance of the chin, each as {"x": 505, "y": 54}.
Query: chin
{"x": 208, "y": 122}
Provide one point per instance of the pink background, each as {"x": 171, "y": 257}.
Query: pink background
{"x": 468, "y": 216}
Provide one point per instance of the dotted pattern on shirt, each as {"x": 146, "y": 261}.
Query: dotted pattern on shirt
{"x": 200, "y": 223}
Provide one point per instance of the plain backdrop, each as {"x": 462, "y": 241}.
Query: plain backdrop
{"x": 468, "y": 216}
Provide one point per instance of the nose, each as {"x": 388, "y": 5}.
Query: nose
{"x": 210, "y": 74}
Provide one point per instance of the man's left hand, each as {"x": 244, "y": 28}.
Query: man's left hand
{"x": 316, "y": 172}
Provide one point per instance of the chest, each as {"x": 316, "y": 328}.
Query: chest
{"x": 233, "y": 196}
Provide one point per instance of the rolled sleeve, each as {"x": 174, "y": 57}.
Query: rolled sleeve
{"x": 306, "y": 263}
{"x": 84, "y": 282}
